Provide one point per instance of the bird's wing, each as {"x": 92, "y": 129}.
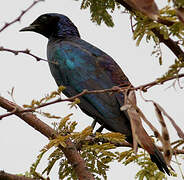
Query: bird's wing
{"x": 83, "y": 66}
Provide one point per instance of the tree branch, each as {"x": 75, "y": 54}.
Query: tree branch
{"x": 131, "y": 9}
{"x": 144, "y": 88}
{"x": 70, "y": 150}
{"x": 172, "y": 45}
{"x": 20, "y": 16}
{"x": 147, "y": 86}
{"x": 27, "y": 51}
{"x": 7, "y": 176}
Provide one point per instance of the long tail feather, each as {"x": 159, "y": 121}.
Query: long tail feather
{"x": 157, "y": 158}
{"x": 142, "y": 138}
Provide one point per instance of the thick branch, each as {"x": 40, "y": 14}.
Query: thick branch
{"x": 7, "y": 176}
{"x": 172, "y": 45}
{"x": 131, "y": 9}
{"x": 70, "y": 150}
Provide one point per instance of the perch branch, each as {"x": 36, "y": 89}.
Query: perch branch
{"x": 144, "y": 87}
{"x": 172, "y": 45}
{"x": 70, "y": 150}
{"x": 7, "y": 176}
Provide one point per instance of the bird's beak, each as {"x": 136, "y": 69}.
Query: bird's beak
{"x": 32, "y": 27}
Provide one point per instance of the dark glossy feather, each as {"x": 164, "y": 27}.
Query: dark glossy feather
{"x": 83, "y": 66}
{"x": 80, "y": 66}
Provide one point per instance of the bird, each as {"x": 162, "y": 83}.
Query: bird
{"x": 79, "y": 65}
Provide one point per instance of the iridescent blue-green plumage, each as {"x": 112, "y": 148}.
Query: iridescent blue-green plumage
{"x": 80, "y": 65}
{"x": 83, "y": 66}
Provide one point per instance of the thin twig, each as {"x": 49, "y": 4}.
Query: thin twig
{"x": 27, "y": 51}
{"x": 8, "y": 114}
{"x": 131, "y": 24}
{"x": 20, "y": 16}
{"x": 145, "y": 87}
{"x": 113, "y": 89}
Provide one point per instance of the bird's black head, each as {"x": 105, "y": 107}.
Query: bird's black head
{"x": 53, "y": 25}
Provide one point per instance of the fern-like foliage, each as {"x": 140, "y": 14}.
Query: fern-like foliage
{"x": 100, "y": 10}
{"x": 98, "y": 150}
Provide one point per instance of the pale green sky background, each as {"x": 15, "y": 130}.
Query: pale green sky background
{"x": 20, "y": 144}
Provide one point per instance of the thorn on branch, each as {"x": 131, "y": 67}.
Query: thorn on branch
{"x": 27, "y": 51}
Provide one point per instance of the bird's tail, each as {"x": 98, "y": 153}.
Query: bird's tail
{"x": 141, "y": 137}
{"x": 145, "y": 141}
{"x": 158, "y": 159}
